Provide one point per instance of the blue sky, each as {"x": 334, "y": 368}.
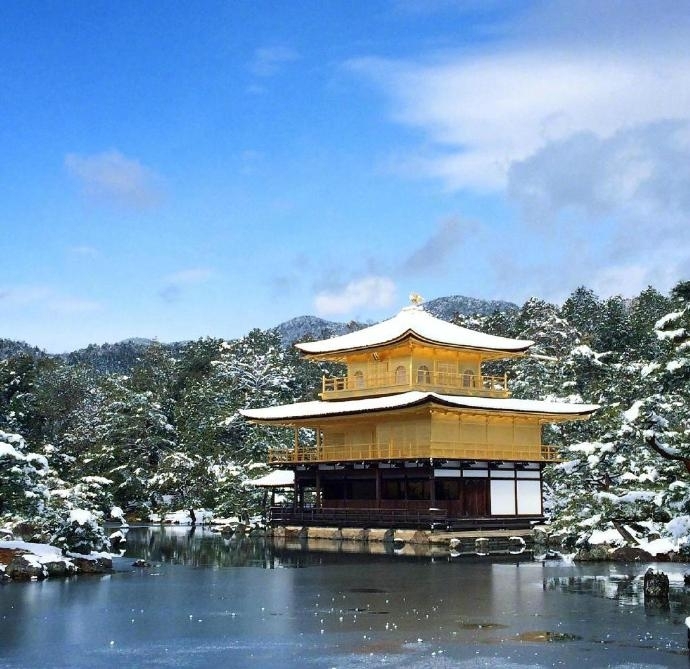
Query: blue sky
{"x": 175, "y": 170}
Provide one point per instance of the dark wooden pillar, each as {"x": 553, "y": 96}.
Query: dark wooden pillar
{"x": 318, "y": 489}
{"x": 378, "y": 488}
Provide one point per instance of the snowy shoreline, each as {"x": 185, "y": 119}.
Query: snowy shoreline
{"x": 26, "y": 561}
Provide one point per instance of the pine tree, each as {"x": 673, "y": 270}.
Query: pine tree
{"x": 23, "y": 491}
{"x": 583, "y": 311}
{"x": 613, "y": 332}
{"x": 645, "y": 310}
{"x": 663, "y": 417}
{"x": 134, "y": 434}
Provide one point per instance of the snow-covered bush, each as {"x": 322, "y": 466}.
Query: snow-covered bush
{"x": 80, "y": 532}
{"x": 31, "y": 496}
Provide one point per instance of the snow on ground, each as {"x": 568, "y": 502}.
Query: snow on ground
{"x": 659, "y": 546}
{"x": 42, "y": 552}
{"x": 678, "y": 528}
{"x": 182, "y": 517}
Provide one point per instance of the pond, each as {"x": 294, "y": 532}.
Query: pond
{"x": 210, "y": 602}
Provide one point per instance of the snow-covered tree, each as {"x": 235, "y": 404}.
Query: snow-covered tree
{"x": 254, "y": 371}
{"x": 23, "y": 489}
{"x": 134, "y": 435}
{"x": 634, "y": 477}
{"x": 31, "y": 495}
{"x": 663, "y": 417}
{"x": 645, "y": 310}
{"x": 185, "y": 481}
{"x": 613, "y": 332}
{"x": 582, "y": 310}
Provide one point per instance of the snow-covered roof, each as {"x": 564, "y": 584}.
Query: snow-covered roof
{"x": 318, "y": 409}
{"x": 414, "y": 321}
{"x": 276, "y": 479}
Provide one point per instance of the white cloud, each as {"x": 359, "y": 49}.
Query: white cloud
{"x": 371, "y": 292}
{"x": 582, "y": 122}
{"x": 269, "y": 60}
{"x": 641, "y": 169}
{"x": 484, "y": 113}
{"x": 115, "y": 178}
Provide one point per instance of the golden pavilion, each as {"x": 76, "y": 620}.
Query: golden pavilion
{"x": 415, "y": 434}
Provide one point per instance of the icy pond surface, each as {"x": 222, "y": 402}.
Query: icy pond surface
{"x": 210, "y": 602}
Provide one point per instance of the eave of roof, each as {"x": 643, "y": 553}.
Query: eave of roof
{"x": 301, "y": 411}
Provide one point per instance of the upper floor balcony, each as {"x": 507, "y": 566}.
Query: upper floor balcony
{"x": 397, "y": 450}
{"x": 359, "y": 384}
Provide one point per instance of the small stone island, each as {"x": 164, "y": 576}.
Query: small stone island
{"x": 414, "y": 435}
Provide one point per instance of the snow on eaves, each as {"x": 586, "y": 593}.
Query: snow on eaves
{"x": 415, "y": 321}
{"x": 317, "y": 408}
{"x": 276, "y": 479}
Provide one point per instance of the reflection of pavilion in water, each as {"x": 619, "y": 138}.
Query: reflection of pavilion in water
{"x": 469, "y": 549}
{"x": 200, "y": 547}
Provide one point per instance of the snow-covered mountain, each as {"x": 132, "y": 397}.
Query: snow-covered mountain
{"x": 449, "y": 307}
{"x": 304, "y": 328}
{"x": 10, "y": 348}
{"x": 121, "y": 356}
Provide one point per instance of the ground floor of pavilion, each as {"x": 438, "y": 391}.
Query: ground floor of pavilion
{"x": 416, "y": 494}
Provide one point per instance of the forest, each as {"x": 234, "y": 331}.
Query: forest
{"x": 77, "y": 441}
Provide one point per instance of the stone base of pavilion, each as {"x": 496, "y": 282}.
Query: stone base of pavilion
{"x": 414, "y": 542}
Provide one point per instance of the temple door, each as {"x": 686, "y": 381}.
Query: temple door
{"x": 475, "y": 497}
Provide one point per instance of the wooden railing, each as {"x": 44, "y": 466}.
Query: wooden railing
{"x": 336, "y": 387}
{"x": 412, "y": 451}
{"x": 428, "y": 518}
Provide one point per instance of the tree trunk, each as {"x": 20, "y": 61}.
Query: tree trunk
{"x": 652, "y": 443}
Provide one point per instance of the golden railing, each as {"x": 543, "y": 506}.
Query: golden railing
{"x": 410, "y": 451}
{"x": 420, "y": 379}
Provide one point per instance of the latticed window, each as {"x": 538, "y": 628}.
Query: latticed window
{"x": 401, "y": 375}
{"x": 447, "y": 373}
{"x": 359, "y": 379}
{"x": 468, "y": 378}
{"x": 423, "y": 374}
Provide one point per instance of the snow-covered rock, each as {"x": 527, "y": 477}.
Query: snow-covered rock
{"x": 22, "y": 560}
